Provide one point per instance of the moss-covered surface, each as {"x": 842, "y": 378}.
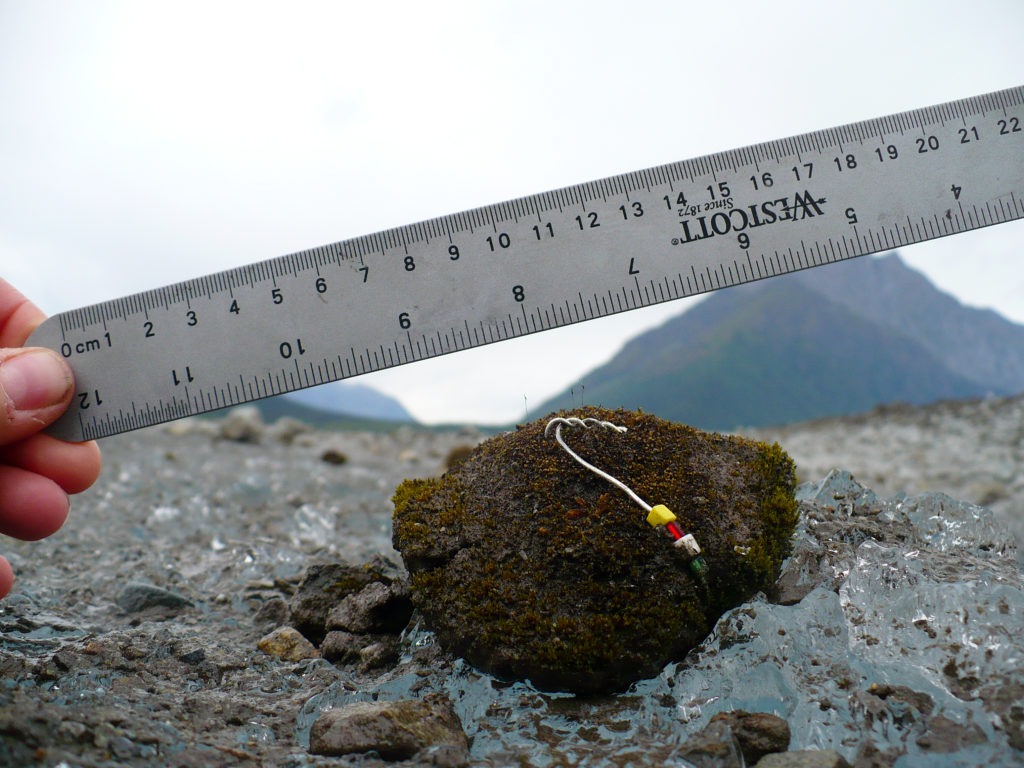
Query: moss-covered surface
{"x": 530, "y": 566}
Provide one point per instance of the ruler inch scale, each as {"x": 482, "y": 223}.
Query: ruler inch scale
{"x": 540, "y": 262}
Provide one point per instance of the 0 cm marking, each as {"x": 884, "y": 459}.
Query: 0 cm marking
{"x": 90, "y": 345}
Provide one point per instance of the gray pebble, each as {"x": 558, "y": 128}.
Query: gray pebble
{"x": 137, "y": 596}
{"x": 376, "y": 608}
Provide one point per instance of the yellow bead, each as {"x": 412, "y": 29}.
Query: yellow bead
{"x": 659, "y": 515}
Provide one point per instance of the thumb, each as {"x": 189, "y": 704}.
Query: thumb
{"x": 35, "y": 388}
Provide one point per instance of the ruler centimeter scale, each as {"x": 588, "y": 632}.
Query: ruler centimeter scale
{"x": 540, "y": 262}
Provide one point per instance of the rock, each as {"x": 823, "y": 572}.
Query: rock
{"x": 532, "y": 567}
{"x": 273, "y": 612}
{"x": 122, "y": 748}
{"x": 334, "y": 457}
{"x": 377, "y": 608}
{"x": 396, "y": 730}
{"x": 242, "y": 425}
{"x": 800, "y": 574}
{"x": 884, "y": 702}
{"x": 757, "y": 733}
{"x": 736, "y": 739}
{"x": 945, "y": 735}
{"x": 138, "y": 596}
{"x": 713, "y": 747}
{"x": 73, "y": 730}
{"x": 1007, "y": 701}
{"x": 369, "y": 651}
{"x": 869, "y": 755}
{"x": 324, "y": 585}
{"x": 443, "y": 756}
{"x": 193, "y": 425}
{"x": 287, "y": 644}
{"x": 341, "y": 647}
{"x": 197, "y": 656}
{"x": 286, "y": 429}
{"x": 804, "y": 758}
{"x": 381, "y": 653}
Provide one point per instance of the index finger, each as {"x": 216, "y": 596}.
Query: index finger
{"x": 18, "y": 316}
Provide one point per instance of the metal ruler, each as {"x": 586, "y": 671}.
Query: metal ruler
{"x": 540, "y": 262}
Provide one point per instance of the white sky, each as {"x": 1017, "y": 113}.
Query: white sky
{"x": 146, "y": 143}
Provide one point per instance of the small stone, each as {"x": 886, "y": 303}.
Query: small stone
{"x": 334, "y": 457}
{"x": 194, "y": 425}
{"x": 286, "y": 429}
{"x": 757, "y": 733}
{"x": 122, "y": 747}
{"x": 324, "y": 585}
{"x": 242, "y": 425}
{"x": 396, "y": 730}
{"x": 444, "y": 756}
{"x": 945, "y": 735}
{"x": 801, "y": 573}
{"x": 377, "y": 608}
{"x": 1005, "y": 700}
{"x": 899, "y": 697}
{"x": 341, "y": 647}
{"x": 804, "y": 758}
{"x": 287, "y": 644}
{"x": 379, "y": 654}
{"x": 272, "y": 612}
{"x": 73, "y": 730}
{"x": 137, "y": 596}
{"x": 870, "y": 755}
{"x": 713, "y": 747}
{"x": 193, "y": 657}
{"x": 105, "y": 732}
{"x": 369, "y": 651}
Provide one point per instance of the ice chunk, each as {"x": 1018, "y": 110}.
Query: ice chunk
{"x": 905, "y": 635}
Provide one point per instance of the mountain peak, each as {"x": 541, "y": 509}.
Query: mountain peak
{"x": 977, "y": 344}
{"x": 822, "y": 342}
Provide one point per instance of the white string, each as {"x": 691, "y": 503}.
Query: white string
{"x": 572, "y": 421}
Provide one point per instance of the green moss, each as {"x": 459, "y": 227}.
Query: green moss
{"x": 433, "y": 514}
{"x": 531, "y": 566}
{"x": 759, "y": 558}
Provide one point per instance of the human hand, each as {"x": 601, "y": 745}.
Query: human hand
{"x": 37, "y": 472}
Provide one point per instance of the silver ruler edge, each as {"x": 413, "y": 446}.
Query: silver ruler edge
{"x": 240, "y": 335}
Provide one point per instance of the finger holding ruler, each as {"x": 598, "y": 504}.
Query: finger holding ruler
{"x": 540, "y": 262}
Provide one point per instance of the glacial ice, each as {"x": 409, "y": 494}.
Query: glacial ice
{"x": 903, "y": 633}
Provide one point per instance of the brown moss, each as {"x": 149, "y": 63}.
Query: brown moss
{"x": 457, "y": 455}
{"x": 531, "y": 566}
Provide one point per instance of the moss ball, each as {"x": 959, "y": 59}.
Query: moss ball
{"x": 532, "y": 567}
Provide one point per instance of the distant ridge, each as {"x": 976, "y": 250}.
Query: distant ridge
{"x": 826, "y": 342}
{"x": 351, "y": 398}
{"x": 339, "y": 405}
{"x": 979, "y": 344}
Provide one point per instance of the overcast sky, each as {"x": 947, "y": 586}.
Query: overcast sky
{"x": 146, "y": 143}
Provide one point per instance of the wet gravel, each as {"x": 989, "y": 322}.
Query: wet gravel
{"x": 131, "y": 636}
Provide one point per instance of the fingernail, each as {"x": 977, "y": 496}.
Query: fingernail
{"x": 34, "y": 379}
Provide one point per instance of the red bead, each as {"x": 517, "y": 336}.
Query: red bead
{"x": 674, "y": 529}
